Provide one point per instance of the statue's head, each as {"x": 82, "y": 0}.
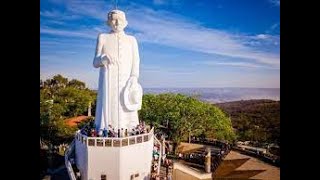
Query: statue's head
{"x": 117, "y": 20}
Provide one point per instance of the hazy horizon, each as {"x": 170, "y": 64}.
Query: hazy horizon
{"x": 202, "y": 88}
{"x": 219, "y": 95}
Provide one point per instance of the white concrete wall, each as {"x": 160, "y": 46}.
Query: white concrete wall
{"x": 184, "y": 172}
{"x": 118, "y": 163}
{"x": 103, "y": 160}
{"x": 136, "y": 158}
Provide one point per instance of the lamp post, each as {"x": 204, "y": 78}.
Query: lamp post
{"x": 208, "y": 160}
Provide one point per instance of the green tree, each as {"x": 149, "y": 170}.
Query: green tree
{"x": 76, "y": 84}
{"x": 183, "y": 116}
{"x": 256, "y": 120}
{"x": 59, "y": 100}
{"x": 50, "y": 116}
{"x": 75, "y": 100}
{"x": 59, "y": 81}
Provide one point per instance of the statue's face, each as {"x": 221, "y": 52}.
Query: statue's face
{"x": 117, "y": 22}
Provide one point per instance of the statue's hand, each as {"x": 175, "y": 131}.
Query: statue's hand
{"x": 133, "y": 80}
{"x": 107, "y": 60}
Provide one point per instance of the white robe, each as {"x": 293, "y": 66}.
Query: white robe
{"x": 110, "y": 109}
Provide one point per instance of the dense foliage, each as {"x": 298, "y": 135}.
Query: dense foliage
{"x": 181, "y": 117}
{"x": 61, "y": 99}
{"x": 255, "y": 120}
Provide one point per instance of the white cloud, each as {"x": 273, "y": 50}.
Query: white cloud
{"x": 95, "y": 9}
{"x": 57, "y": 15}
{"x": 161, "y": 69}
{"x": 274, "y": 26}
{"x": 262, "y": 36}
{"x": 237, "y": 64}
{"x": 50, "y": 14}
{"x": 165, "y": 28}
{"x": 167, "y": 2}
{"x": 275, "y": 2}
{"x": 173, "y": 30}
{"x": 84, "y": 33}
{"x": 274, "y": 29}
{"x": 262, "y": 42}
{"x": 168, "y": 29}
{"x": 159, "y": 2}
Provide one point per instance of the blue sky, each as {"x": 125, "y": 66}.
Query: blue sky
{"x": 182, "y": 43}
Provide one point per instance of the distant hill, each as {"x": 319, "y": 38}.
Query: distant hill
{"x": 254, "y": 120}
{"x": 220, "y": 95}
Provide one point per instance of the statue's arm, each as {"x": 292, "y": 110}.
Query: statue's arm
{"x": 136, "y": 59}
{"x": 98, "y": 54}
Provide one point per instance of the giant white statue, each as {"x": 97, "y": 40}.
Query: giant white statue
{"x": 120, "y": 94}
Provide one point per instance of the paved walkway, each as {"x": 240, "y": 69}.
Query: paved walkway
{"x": 272, "y": 172}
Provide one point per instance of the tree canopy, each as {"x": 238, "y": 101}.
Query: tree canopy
{"x": 255, "y": 120}
{"x": 181, "y": 116}
{"x": 61, "y": 99}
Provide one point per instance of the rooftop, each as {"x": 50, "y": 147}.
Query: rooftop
{"x": 74, "y": 121}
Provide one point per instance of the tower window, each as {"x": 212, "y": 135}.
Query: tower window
{"x": 133, "y": 176}
{"x": 91, "y": 142}
{"x": 145, "y": 138}
{"x": 99, "y": 142}
{"x": 103, "y": 177}
{"x": 132, "y": 141}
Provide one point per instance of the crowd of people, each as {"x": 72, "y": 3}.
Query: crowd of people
{"x": 91, "y": 131}
{"x": 164, "y": 162}
{"x": 155, "y": 162}
{"x": 199, "y": 158}
{"x": 169, "y": 168}
{"x": 216, "y": 156}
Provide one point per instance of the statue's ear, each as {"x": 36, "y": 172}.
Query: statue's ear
{"x": 109, "y": 23}
{"x": 126, "y": 23}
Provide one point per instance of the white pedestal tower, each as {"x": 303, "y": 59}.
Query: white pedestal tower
{"x": 118, "y": 102}
{"x": 114, "y": 158}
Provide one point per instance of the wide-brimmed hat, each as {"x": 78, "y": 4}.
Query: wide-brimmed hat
{"x": 133, "y": 96}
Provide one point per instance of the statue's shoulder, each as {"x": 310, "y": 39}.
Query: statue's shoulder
{"x": 132, "y": 38}
{"x": 102, "y": 35}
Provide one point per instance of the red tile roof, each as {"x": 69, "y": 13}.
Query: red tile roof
{"x": 75, "y": 120}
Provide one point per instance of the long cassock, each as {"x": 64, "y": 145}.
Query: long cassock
{"x": 110, "y": 108}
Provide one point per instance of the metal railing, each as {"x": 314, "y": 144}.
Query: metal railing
{"x": 113, "y": 141}
{"x": 67, "y": 162}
